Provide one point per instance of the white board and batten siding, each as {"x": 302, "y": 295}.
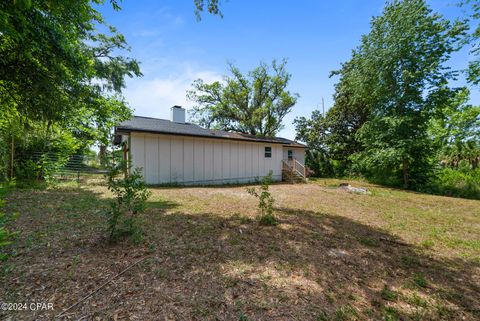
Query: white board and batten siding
{"x": 195, "y": 160}
{"x": 298, "y": 153}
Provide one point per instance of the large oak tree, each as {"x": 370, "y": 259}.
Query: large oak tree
{"x": 255, "y": 103}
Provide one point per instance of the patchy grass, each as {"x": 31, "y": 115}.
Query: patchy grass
{"x": 391, "y": 255}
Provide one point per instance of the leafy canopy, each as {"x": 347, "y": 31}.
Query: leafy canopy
{"x": 401, "y": 73}
{"x": 473, "y": 38}
{"x": 255, "y": 103}
{"x": 54, "y": 63}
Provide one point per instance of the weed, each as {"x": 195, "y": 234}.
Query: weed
{"x": 390, "y": 314}
{"x": 428, "y": 244}
{"x": 73, "y": 268}
{"x": 330, "y": 296}
{"x": 409, "y": 261}
{"x": 322, "y": 316}
{"x": 419, "y": 280}
{"x": 416, "y": 300}
{"x": 388, "y": 294}
{"x": 345, "y": 312}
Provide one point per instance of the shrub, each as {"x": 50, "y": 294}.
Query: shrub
{"x": 266, "y": 200}
{"x": 462, "y": 182}
{"x": 5, "y": 235}
{"x": 130, "y": 199}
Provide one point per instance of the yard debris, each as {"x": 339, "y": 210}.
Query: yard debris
{"x": 338, "y": 253}
{"x": 357, "y": 190}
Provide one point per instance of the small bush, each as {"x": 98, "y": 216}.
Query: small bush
{"x": 462, "y": 182}
{"x": 266, "y": 201}
{"x": 130, "y": 199}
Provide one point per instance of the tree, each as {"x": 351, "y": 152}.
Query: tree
{"x": 53, "y": 62}
{"x": 265, "y": 200}
{"x": 254, "y": 104}
{"x": 331, "y": 138}
{"x": 213, "y": 7}
{"x": 456, "y": 129}
{"x": 473, "y": 71}
{"x": 402, "y": 59}
{"x": 58, "y": 73}
{"x": 130, "y": 197}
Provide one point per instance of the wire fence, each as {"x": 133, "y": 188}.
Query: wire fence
{"x": 37, "y": 165}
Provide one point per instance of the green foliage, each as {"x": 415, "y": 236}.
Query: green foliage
{"x": 473, "y": 39}
{"x": 419, "y": 280}
{"x": 388, "y": 294}
{"x": 254, "y": 104}
{"x": 403, "y": 58}
{"x": 265, "y": 201}
{"x": 53, "y": 62}
{"x": 397, "y": 150}
{"x": 5, "y": 235}
{"x": 461, "y": 182}
{"x": 130, "y": 196}
{"x": 331, "y": 138}
{"x": 60, "y": 82}
{"x": 390, "y": 95}
{"x": 41, "y": 151}
{"x": 213, "y": 7}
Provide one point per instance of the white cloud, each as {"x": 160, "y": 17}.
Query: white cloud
{"x": 154, "y": 97}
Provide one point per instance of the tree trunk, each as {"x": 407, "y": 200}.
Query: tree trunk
{"x": 12, "y": 152}
{"x": 102, "y": 154}
{"x": 125, "y": 155}
{"x": 405, "y": 173}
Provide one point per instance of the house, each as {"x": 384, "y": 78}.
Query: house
{"x": 174, "y": 151}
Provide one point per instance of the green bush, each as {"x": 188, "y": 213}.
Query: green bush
{"x": 5, "y": 235}
{"x": 266, "y": 201}
{"x": 130, "y": 196}
{"x": 461, "y": 182}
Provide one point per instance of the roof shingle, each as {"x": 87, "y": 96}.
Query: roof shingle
{"x": 164, "y": 126}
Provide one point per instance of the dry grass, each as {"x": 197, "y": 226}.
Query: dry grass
{"x": 392, "y": 255}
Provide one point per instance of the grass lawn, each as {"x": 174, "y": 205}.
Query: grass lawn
{"x": 391, "y": 255}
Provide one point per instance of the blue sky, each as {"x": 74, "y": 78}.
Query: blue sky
{"x": 315, "y": 36}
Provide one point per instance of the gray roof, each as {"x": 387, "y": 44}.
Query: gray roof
{"x": 164, "y": 126}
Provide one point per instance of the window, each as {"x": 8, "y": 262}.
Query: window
{"x": 290, "y": 154}
{"x": 268, "y": 152}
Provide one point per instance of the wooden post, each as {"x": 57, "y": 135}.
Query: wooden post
{"x": 125, "y": 160}
{"x": 293, "y": 161}
{"x": 12, "y": 151}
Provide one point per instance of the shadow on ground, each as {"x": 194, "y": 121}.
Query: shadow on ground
{"x": 312, "y": 266}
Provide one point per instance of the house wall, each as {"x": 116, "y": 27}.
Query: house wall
{"x": 298, "y": 153}
{"x": 195, "y": 160}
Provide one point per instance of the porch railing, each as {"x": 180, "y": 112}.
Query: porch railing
{"x": 295, "y": 166}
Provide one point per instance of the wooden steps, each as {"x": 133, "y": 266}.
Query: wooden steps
{"x": 293, "y": 171}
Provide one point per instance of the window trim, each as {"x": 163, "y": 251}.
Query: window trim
{"x": 267, "y": 153}
{"x": 289, "y": 154}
